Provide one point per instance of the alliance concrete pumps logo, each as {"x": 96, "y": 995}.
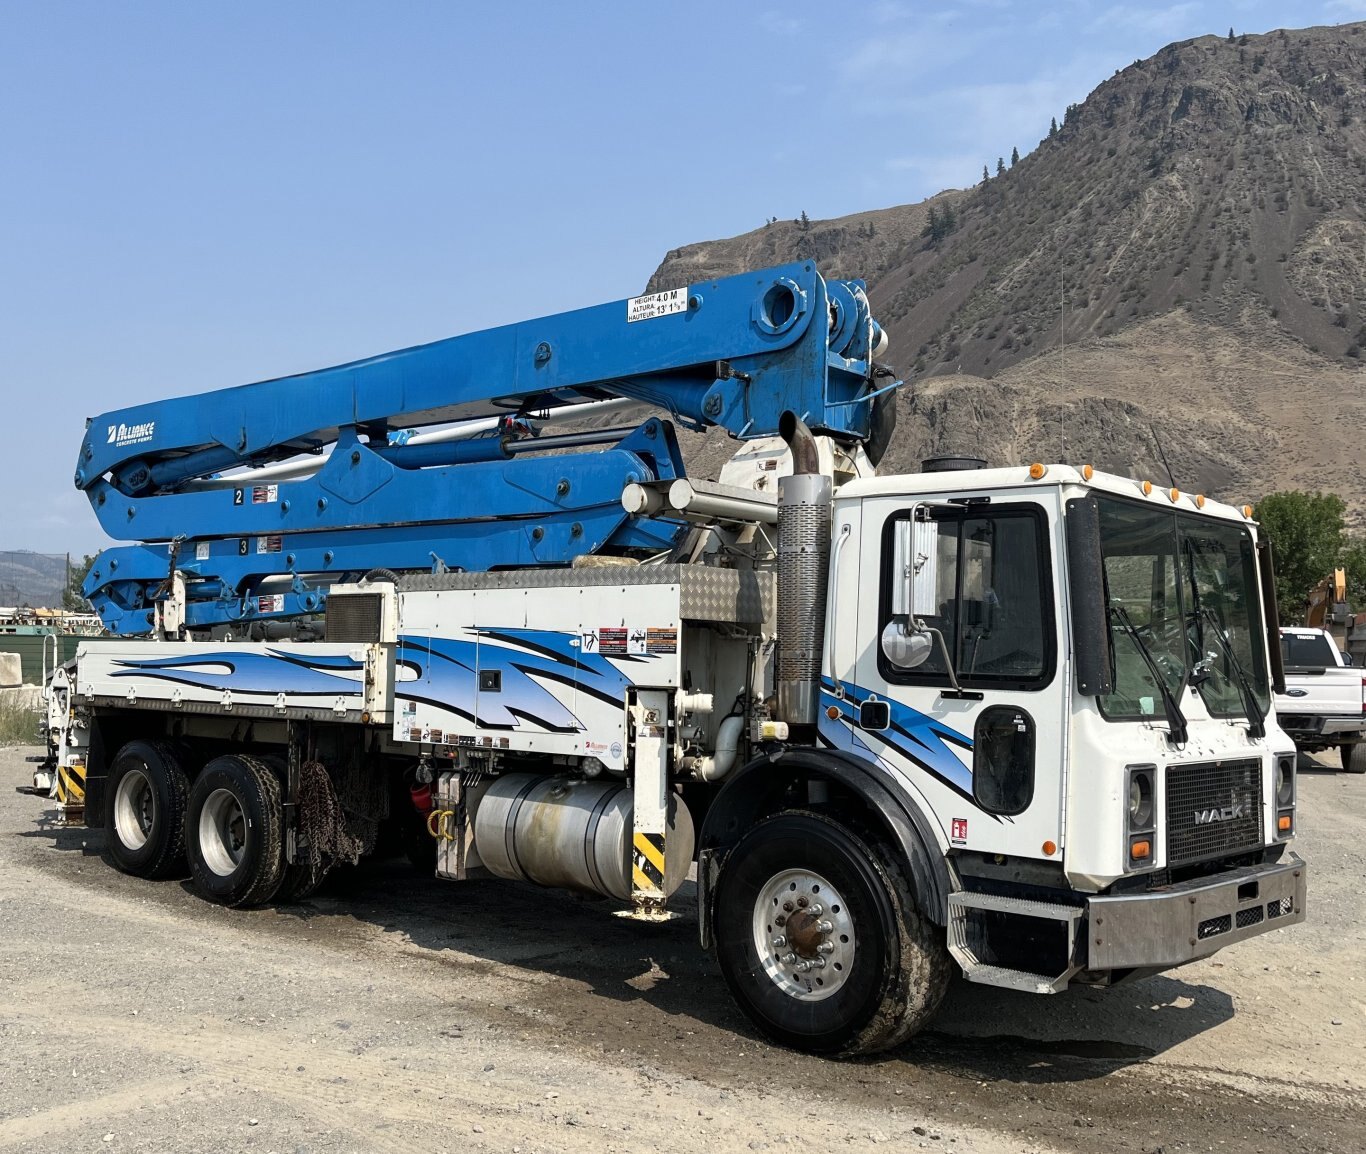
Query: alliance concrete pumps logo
{"x": 120, "y": 435}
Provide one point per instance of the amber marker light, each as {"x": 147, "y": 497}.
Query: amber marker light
{"x": 1199, "y": 500}
{"x": 1174, "y": 494}
{"x": 1036, "y": 471}
{"x": 1140, "y": 849}
{"x": 832, "y": 712}
{"x": 1247, "y": 512}
{"x": 1049, "y": 848}
{"x": 1283, "y": 822}
{"x": 1087, "y": 472}
{"x": 1147, "y": 487}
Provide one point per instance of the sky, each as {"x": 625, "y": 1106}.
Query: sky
{"x": 196, "y": 195}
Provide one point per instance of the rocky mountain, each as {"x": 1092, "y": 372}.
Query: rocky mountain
{"x": 1181, "y": 262}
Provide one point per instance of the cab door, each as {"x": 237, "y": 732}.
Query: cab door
{"x": 975, "y": 700}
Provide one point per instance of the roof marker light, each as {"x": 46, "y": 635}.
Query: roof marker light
{"x": 1147, "y": 488}
{"x": 1174, "y": 494}
{"x": 1036, "y": 471}
{"x": 1087, "y": 472}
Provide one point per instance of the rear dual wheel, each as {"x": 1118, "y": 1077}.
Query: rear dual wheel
{"x": 1354, "y": 757}
{"x": 234, "y": 832}
{"x": 148, "y": 792}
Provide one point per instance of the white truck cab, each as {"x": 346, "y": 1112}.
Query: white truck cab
{"x": 1324, "y": 703}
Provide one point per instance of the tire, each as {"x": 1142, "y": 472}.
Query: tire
{"x": 233, "y": 832}
{"x": 1354, "y": 757}
{"x": 886, "y": 968}
{"x": 147, "y": 790}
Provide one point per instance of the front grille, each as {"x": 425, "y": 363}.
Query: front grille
{"x": 1213, "y": 808}
{"x": 1279, "y": 908}
{"x": 354, "y": 617}
{"x": 1249, "y": 917}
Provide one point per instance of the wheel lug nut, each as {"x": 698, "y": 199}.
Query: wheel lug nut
{"x": 787, "y": 906}
{"x": 819, "y": 963}
{"x": 802, "y": 902}
{"x": 803, "y": 968}
{"x": 789, "y": 959}
{"x": 826, "y": 927}
{"x": 780, "y": 920}
{"x": 826, "y": 947}
{"x": 816, "y": 909}
{"x": 779, "y": 942}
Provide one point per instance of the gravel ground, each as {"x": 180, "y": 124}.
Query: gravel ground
{"x": 397, "y": 1013}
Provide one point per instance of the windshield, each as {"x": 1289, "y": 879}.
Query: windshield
{"x": 1180, "y": 577}
{"x": 1306, "y": 651}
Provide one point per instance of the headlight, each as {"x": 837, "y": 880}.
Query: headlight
{"x": 1285, "y": 781}
{"x": 1140, "y": 800}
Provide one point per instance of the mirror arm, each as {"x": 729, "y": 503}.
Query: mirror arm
{"x": 957, "y": 691}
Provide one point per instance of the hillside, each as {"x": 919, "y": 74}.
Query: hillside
{"x": 1190, "y": 243}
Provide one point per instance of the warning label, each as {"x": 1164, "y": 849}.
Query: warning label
{"x": 271, "y": 603}
{"x": 661, "y": 640}
{"x": 613, "y": 641}
{"x": 265, "y": 494}
{"x": 269, "y": 544}
{"x": 647, "y": 308}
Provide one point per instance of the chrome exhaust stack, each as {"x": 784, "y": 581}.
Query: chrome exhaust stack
{"x": 803, "y": 573}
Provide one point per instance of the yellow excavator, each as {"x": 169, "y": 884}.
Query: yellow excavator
{"x": 1328, "y": 610}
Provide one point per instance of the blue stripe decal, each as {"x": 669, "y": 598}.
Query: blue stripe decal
{"x": 257, "y": 673}
{"x": 922, "y": 740}
{"x": 447, "y": 669}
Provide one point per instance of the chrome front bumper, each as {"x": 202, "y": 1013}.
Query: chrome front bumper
{"x": 1179, "y": 923}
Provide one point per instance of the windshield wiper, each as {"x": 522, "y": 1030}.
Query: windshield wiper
{"x": 1176, "y": 720}
{"x": 1256, "y": 719}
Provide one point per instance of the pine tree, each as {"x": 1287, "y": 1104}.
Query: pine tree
{"x": 1230, "y": 33}
{"x": 1000, "y": 165}
{"x": 986, "y": 176}
{"x": 806, "y": 221}
{"x": 1014, "y": 157}
{"x": 1052, "y": 127}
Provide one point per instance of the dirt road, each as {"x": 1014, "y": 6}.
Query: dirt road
{"x": 397, "y": 1013}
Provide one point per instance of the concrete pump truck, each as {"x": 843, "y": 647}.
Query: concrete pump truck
{"x": 1013, "y": 721}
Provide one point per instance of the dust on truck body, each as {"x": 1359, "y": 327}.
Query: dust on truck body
{"x": 1013, "y": 720}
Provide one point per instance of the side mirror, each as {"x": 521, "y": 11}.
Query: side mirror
{"x": 1347, "y": 659}
{"x": 915, "y": 590}
{"x": 905, "y": 646}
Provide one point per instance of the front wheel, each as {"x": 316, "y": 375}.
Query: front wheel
{"x": 233, "y": 832}
{"x": 1354, "y": 757}
{"x": 820, "y": 940}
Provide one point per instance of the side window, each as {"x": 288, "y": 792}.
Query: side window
{"x": 1003, "y": 760}
{"x": 995, "y": 599}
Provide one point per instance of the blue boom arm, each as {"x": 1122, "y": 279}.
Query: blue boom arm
{"x": 736, "y": 353}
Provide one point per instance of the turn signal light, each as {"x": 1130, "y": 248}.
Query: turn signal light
{"x": 1050, "y": 848}
{"x": 1140, "y": 849}
{"x": 1036, "y": 471}
{"x": 1283, "y": 823}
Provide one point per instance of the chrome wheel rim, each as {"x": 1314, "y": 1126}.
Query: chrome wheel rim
{"x": 135, "y": 809}
{"x": 222, "y": 832}
{"x": 803, "y": 935}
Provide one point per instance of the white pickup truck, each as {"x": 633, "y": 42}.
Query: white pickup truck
{"x": 1324, "y": 703}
